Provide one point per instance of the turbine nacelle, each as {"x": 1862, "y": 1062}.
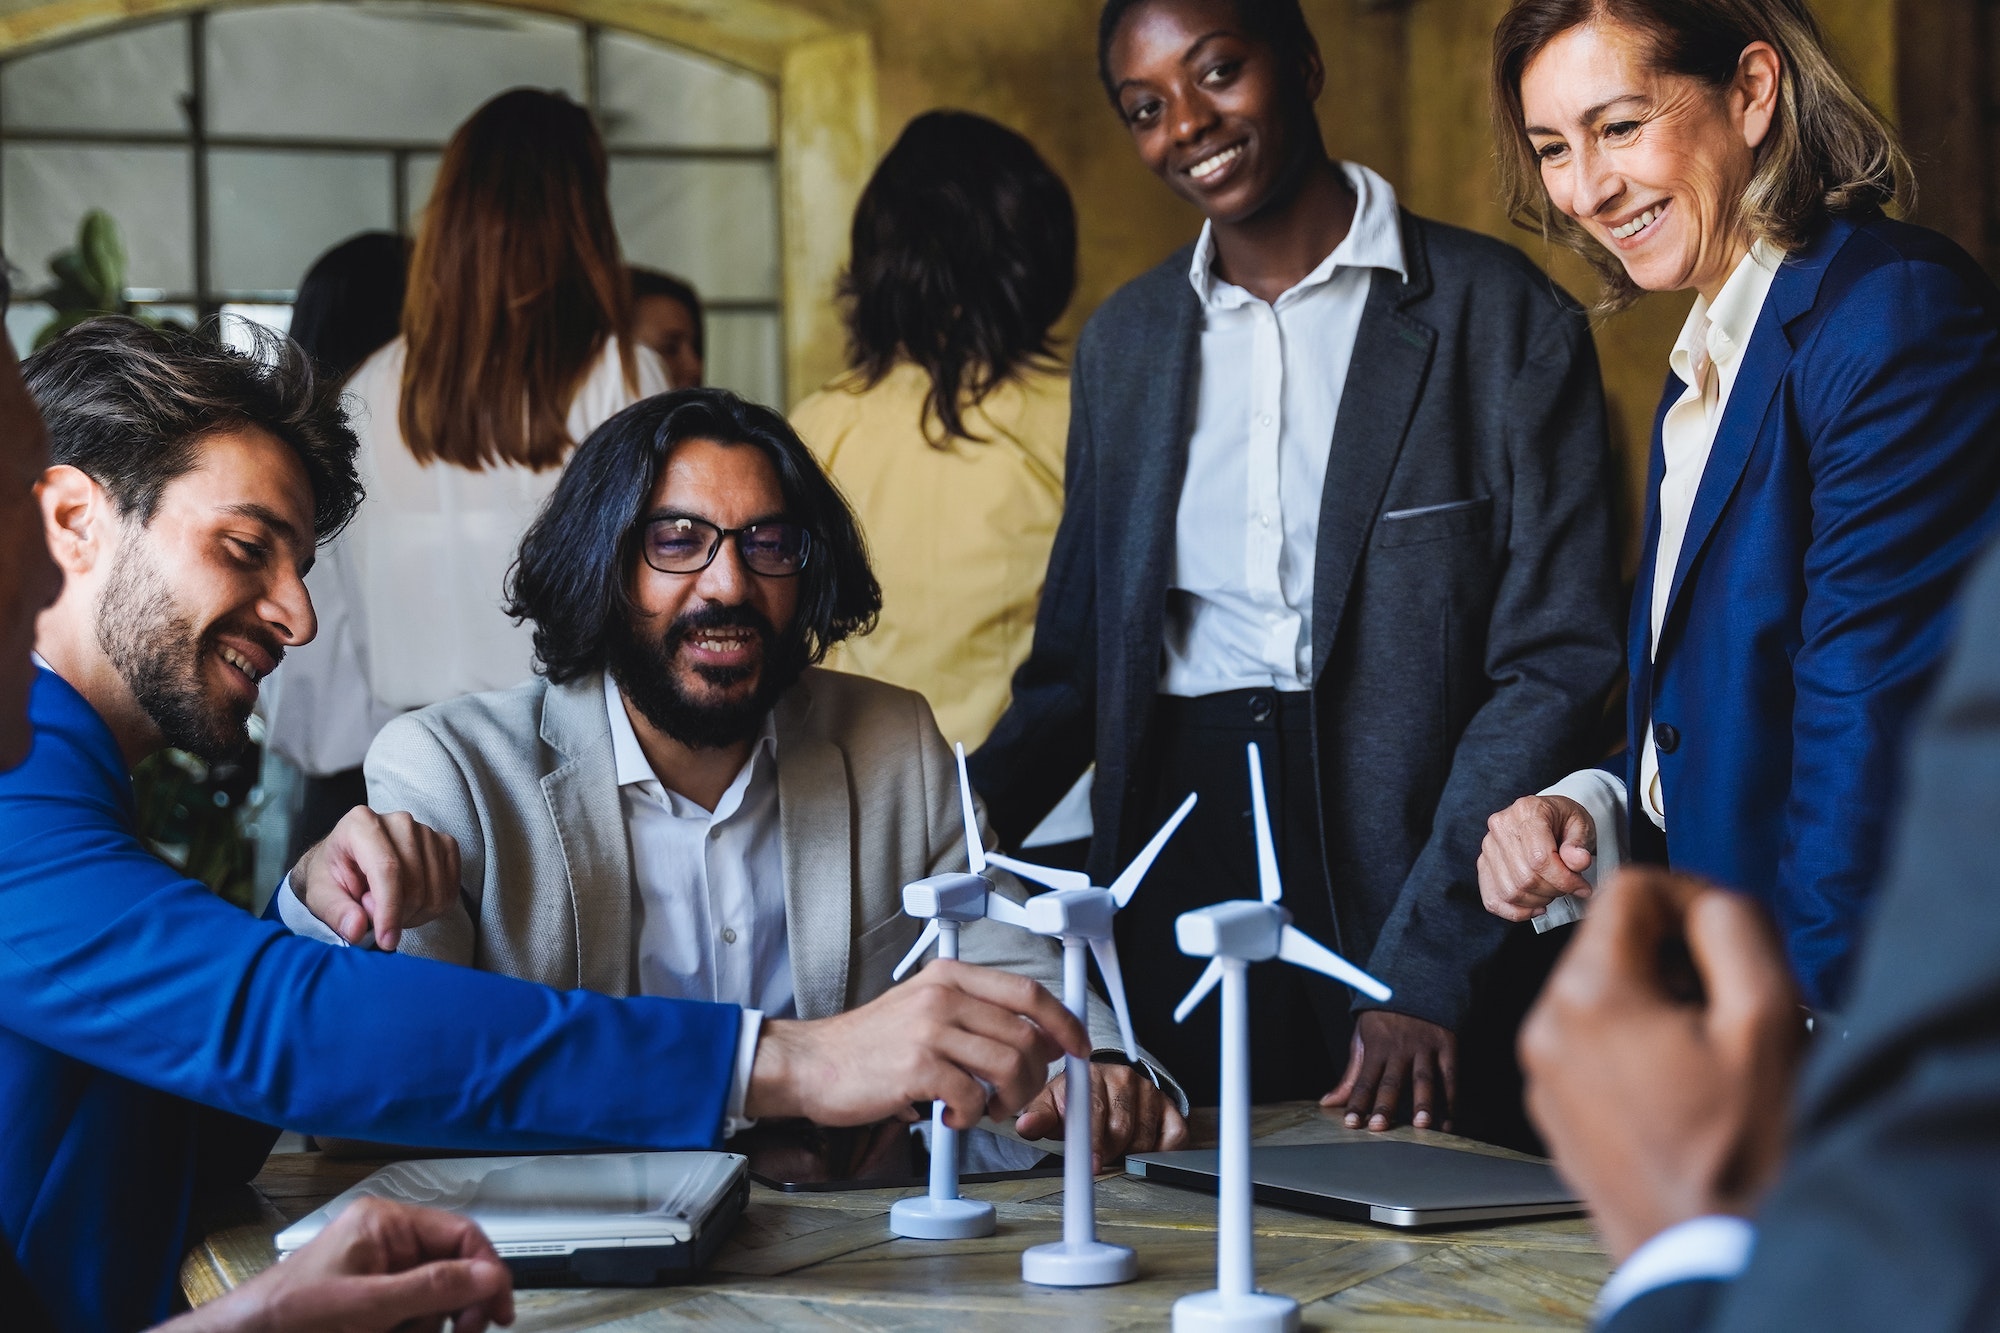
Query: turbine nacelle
{"x": 1252, "y": 931}
{"x": 952, "y": 896}
{"x": 1077, "y": 913}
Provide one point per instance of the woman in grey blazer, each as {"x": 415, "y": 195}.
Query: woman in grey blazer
{"x": 1337, "y": 486}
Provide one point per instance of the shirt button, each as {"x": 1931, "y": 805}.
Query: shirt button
{"x": 1264, "y": 420}
{"x": 729, "y": 935}
{"x": 1264, "y": 520}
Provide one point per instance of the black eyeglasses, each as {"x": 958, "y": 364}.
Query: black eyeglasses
{"x": 777, "y": 550}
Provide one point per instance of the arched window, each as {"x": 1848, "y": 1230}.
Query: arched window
{"x": 233, "y": 146}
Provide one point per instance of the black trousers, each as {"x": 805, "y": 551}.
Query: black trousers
{"x": 1300, "y": 1022}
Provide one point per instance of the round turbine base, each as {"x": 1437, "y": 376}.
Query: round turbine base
{"x": 1091, "y": 1264}
{"x": 1258, "y": 1312}
{"x": 925, "y": 1218}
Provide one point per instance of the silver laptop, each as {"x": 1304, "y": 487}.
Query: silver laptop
{"x": 1395, "y": 1183}
{"x": 600, "y": 1219}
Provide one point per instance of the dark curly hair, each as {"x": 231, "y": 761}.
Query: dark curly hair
{"x": 963, "y": 257}
{"x": 130, "y": 404}
{"x": 571, "y": 577}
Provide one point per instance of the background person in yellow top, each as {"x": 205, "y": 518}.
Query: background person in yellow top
{"x": 947, "y": 432}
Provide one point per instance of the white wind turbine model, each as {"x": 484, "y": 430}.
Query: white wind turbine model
{"x": 948, "y": 901}
{"x": 1079, "y": 914}
{"x": 1232, "y": 936}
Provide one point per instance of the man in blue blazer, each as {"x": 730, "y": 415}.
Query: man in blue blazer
{"x": 148, "y": 1030}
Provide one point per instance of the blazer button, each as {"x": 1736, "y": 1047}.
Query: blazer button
{"x": 1667, "y": 737}
{"x": 1261, "y": 706}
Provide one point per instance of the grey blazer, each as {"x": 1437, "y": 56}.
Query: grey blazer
{"x": 1887, "y": 1212}
{"x": 1466, "y": 616}
{"x": 525, "y": 780}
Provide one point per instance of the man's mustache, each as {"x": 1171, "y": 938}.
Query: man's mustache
{"x": 689, "y": 623}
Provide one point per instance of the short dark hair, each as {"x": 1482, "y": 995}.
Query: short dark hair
{"x": 963, "y": 256}
{"x": 570, "y": 577}
{"x": 350, "y": 302}
{"x": 129, "y": 404}
{"x": 1279, "y": 23}
{"x": 651, "y": 282}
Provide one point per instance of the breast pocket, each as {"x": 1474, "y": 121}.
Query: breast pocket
{"x": 1431, "y": 523}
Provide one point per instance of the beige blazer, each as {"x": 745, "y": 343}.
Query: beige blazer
{"x": 525, "y": 780}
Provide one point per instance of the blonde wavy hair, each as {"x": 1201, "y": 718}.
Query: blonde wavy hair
{"x": 1829, "y": 153}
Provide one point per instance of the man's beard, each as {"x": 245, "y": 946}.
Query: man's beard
{"x": 647, "y": 674}
{"x": 156, "y": 650}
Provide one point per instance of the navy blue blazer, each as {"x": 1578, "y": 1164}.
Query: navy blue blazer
{"x": 1854, "y": 478}
{"x": 140, "y": 1016}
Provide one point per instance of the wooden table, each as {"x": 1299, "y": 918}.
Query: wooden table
{"x": 827, "y": 1261}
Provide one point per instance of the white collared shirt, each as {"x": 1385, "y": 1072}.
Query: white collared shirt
{"x": 711, "y": 884}
{"x": 1707, "y": 356}
{"x": 1239, "y": 601}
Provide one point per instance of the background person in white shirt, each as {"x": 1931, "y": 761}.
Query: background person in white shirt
{"x": 681, "y": 805}
{"x": 1824, "y": 469}
{"x": 1335, "y": 485}
{"x": 514, "y": 347}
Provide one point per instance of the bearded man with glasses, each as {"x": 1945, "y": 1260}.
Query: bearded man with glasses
{"x": 681, "y": 803}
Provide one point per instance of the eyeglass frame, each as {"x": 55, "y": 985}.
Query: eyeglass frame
{"x": 722, "y": 535}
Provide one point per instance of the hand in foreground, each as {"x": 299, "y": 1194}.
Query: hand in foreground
{"x": 1664, "y": 1095}
{"x": 1128, "y": 1113}
{"x": 380, "y": 1266}
{"x": 381, "y": 872}
{"x": 938, "y": 1036}
{"x": 1535, "y": 851}
{"x": 1390, "y": 1053}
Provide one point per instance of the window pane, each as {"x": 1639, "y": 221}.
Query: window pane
{"x": 49, "y": 188}
{"x": 653, "y": 95}
{"x": 408, "y": 73}
{"x": 744, "y": 354}
{"x": 238, "y": 319}
{"x": 25, "y": 319}
{"x": 422, "y": 172}
{"x": 132, "y": 79}
{"x": 272, "y": 214}
{"x": 714, "y": 223}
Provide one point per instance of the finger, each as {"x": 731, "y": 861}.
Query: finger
{"x": 1173, "y": 1126}
{"x": 1042, "y": 1117}
{"x": 440, "y": 1287}
{"x": 1389, "y": 1092}
{"x": 1423, "y": 1085}
{"x": 1340, "y": 1094}
{"x": 1619, "y": 960}
{"x": 1015, "y": 1077}
{"x": 1447, "y": 1066}
{"x": 1361, "y": 1101}
{"x": 413, "y": 876}
{"x": 1105, "y": 1121}
{"x": 370, "y": 857}
{"x": 965, "y": 1098}
{"x": 1148, "y": 1110}
{"x": 1742, "y": 970}
{"x": 1020, "y": 995}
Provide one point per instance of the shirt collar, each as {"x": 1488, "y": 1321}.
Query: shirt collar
{"x": 1374, "y": 240}
{"x": 1720, "y": 331}
{"x": 630, "y": 759}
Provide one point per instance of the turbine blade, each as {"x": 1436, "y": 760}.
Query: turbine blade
{"x": 1302, "y": 950}
{"x": 1268, "y": 884}
{"x": 1045, "y": 875}
{"x": 974, "y": 851}
{"x": 1209, "y": 976}
{"x": 924, "y": 941}
{"x": 1001, "y": 908}
{"x": 1106, "y": 954}
{"x": 1127, "y": 882}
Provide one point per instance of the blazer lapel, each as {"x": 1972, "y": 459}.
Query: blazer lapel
{"x": 815, "y": 805}
{"x": 1392, "y": 356}
{"x": 1792, "y": 294}
{"x": 589, "y": 820}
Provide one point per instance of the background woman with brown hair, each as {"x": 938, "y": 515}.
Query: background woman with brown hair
{"x": 511, "y": 352}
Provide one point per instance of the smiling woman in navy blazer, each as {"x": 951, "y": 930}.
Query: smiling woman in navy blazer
{"x": 1825, "y": 463}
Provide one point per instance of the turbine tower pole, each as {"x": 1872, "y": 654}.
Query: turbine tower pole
{"x": 1235, "y": 1273}
{"x": 1079, "y": 1191}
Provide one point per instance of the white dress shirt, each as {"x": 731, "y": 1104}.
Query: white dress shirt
{"x": 1716, "y": 1248}
{"x": 1239, "y": 600}
{"x": 1706, "y": 357}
